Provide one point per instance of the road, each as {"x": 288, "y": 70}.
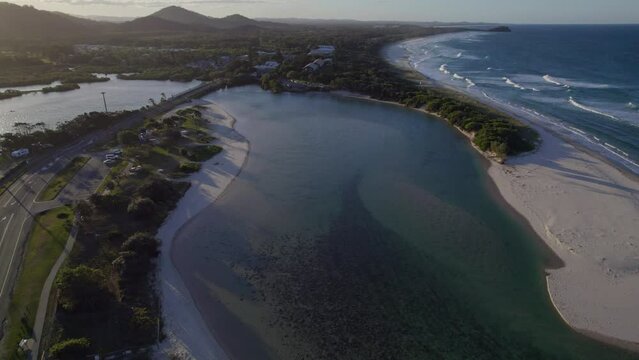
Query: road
{"x": 18, "y": 203}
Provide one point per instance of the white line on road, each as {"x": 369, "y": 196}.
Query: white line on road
{"x": 15, "y": 248}
{"x": 6, "y": 228}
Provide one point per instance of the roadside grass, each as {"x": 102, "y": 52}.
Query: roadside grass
{"x": 62, "y": 178}
{"x": 42, "y": 250}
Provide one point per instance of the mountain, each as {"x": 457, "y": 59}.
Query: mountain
{"x": 26, "y": 22}
{"x": 188, "y": 20}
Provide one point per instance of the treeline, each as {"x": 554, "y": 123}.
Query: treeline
{"x": 491, "y": 132}
{"x": 358, "y": 66}
{"x": 110, "y": 277}
{"x": 38, "y": 135}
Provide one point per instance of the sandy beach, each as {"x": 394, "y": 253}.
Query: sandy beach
{"x": 187, "y": 333}
{"x": 587, "y": 211}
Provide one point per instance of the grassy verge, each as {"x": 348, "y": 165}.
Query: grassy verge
{"x": 61, "y": 179}
{"x": 42, "y": 250}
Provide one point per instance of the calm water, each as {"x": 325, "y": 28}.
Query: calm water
{"x": 580, "y": 80}
{"x": 52, "y": 108}
{"x": 360, "y": 230}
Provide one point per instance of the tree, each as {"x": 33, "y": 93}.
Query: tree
{"x": 84, "y": 210}
{"x": 142, "y": 244}
{"x": 70, "y": 349}
{"x": 82, "y": 288}
{"x": 142, "y": 207}
{"x": 127, "y": 137}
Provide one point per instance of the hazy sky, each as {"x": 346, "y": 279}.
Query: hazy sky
{"x": 506, "y": 11}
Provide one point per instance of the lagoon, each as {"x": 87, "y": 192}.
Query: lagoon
{"x": 56, "y": 107}
{"x": 362, "y": 230}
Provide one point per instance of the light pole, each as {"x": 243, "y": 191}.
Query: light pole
{"x": 104, "y": 99}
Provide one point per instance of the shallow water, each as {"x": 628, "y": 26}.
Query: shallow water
{"x": 360, "y": 230}
{"x": 56, "y": 107}
{"x": 579, "y": 80}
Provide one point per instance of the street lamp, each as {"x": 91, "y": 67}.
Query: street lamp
{"x": 104, "y": 99}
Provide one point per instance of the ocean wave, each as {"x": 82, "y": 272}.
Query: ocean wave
{"x": 574, "y": 103}
{"x": 470, "y": 83}
{"x": 459, "y": 55}
{"x": 552, "y": 80}
{"x": 444, "y": 68}
{"x": 513, "y": 84}
{"x": 632, "y": 106}
{"x": 567, "y": 83}
{"x": 458, "y": 77}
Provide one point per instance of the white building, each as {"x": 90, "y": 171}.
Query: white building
{"x": 322, "y": 50}
{"x": 267, "y": 66}
{"x": 318, "y": 64}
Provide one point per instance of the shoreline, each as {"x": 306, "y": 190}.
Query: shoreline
{"x": 187, "y": 334}
{"x": 586, "y": 210}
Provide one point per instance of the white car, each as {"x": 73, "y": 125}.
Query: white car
{"x": 111, "y": 156}
{"x": 109, "y": 162}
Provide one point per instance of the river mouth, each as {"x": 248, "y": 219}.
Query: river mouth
{"x": 360, "y": 230}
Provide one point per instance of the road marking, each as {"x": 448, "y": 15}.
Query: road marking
{"x": 22, "y": 183}
{"x": 5, "y": 228}
{"x": 15, "y": 248}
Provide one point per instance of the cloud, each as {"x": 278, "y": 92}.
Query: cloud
{"x": 155, "y": 3}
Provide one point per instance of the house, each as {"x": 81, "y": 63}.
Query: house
{"x": 20, "y": 153}
{"x": 202, "y": 64}
{"x": 266, "y": 53}
{"x": 322, "y": 50}
{"x": 318, "y": 64}
{"x": 267, "y": 67}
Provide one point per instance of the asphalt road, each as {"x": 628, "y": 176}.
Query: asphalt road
{"x": 18, "y": 203}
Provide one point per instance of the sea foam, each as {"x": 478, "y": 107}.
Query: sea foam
{"x": 513, "y": 84}
{"x": 574, "y": 103}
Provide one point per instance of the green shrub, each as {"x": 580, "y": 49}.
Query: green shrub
{"x": 127, "y": 137}
{"x": 70, "y": 349}
{"x": 190, "y": 167}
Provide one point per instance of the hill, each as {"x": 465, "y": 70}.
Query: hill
{"x": 26, "y": 22}
{"x": 188, "y": 20}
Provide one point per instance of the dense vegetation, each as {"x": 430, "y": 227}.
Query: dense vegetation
{"x": 38, "y": 136}
{"x": 111, "y": 272}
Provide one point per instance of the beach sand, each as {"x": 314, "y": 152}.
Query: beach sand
{"x": 587, "y": 211}
{"x": 187, "y": 333}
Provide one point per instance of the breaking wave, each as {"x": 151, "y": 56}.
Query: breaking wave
{"x": 513, "y": 84}
{"x": 574, "y": 103}
{"x": 444, "y": 69}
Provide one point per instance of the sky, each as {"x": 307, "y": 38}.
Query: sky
{"x": 502, "y": 11}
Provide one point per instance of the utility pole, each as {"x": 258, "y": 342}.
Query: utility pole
{"x": 104, "y": 99}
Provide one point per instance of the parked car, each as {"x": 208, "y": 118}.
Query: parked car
{"x": 109, "y": 162}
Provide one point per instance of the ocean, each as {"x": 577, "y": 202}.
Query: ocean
{"x": 577, "y": 80}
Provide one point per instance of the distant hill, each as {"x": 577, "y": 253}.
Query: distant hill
{"x": 176, "y": 18}
{"x": 26, "y": 22}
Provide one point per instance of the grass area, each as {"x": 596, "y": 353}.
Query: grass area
{"x": 61, "y": 179}
{"x": 115, "y": 171}
{"x": 203, "y": 153}
{"x": 42, "y": 250}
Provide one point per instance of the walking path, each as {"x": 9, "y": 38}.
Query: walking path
{"x": 41, "y": 314}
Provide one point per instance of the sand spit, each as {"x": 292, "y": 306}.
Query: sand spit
{"x": 587, "y": 211}
{"x": 187, "y": 333}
